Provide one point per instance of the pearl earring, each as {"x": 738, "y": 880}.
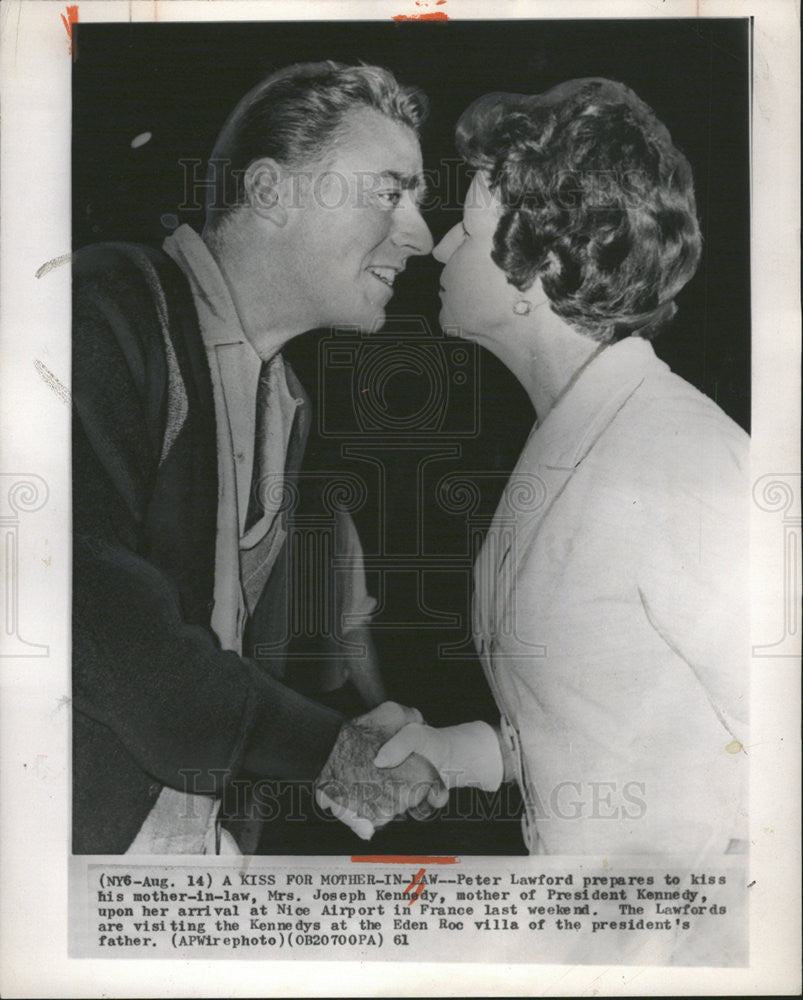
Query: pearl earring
{"x": 522, "y": 307}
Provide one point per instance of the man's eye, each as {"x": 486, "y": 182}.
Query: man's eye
{"x": 390, "y": 198}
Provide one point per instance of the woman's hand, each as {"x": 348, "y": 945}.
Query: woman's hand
{"x": 465, "y": 756}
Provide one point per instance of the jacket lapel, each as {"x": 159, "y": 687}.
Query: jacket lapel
{"x": 553, "y": 452}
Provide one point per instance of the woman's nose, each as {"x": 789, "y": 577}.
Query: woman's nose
{"x": 447, "y": 246}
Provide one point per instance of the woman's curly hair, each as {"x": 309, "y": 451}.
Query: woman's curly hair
{"x": 597, "y": 202}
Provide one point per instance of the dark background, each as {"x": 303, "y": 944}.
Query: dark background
{"x": 180, "y": 81}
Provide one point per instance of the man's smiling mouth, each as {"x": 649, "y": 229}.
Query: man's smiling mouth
{"x": 387, "y": 275}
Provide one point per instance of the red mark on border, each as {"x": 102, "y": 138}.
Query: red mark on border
{"x": 438, "y": 15}
{"x": 68, "y": 21}
{"x": 419, "y": 881}
{"x": 402, "y": 859}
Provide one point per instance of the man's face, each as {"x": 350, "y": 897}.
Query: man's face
{"x": 356, "y": 221}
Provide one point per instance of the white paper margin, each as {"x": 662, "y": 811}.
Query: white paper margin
{"x": 34, "y": 440}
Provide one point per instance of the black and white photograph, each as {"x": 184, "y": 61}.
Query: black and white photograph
{"x": 513, "y": 518}
{"x": 412, "y": 419}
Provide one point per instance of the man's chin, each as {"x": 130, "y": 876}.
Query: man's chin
{"x": 367, "y": 321}
{"x": 371, "y": 322}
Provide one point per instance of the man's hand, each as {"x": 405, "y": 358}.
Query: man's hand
{"x": 362, "y": 795}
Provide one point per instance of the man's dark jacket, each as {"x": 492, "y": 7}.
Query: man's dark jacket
{"x": 156, "y": 700}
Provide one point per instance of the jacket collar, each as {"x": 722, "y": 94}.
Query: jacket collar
{"x": 220, "y": 321}
{"x": 580, "y": 416}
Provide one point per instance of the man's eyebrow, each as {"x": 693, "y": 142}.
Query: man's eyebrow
{"x": 406, "y": 181}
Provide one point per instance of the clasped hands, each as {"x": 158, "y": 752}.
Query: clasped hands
{"x": 387, "y": 763}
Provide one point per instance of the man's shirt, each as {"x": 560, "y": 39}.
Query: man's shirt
{"x": 245, "y": 553}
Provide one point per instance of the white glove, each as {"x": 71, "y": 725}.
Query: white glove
{"x": 466, "y": 756}
{"x": 364, "y": 828}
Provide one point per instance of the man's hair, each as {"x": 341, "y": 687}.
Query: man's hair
{"x": 294, "y": 117}
{"x": 597, "y": 202}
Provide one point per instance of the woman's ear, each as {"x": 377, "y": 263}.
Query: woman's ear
{"x": 522, "y": 303}
{"x": 264, "y": 183}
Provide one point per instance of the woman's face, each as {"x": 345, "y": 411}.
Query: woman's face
{"x": 476, "y": 296}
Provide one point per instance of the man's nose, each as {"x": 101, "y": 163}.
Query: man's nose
{"x": 447, "y": 246}
{"x": 412, "y": 231}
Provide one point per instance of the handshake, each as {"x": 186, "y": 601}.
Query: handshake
{"x": 387, "y": 763}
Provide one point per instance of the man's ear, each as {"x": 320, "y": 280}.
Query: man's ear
{"x": 265, "y": 182}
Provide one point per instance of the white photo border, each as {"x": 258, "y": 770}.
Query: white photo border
{"x": 34, "y": 386}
